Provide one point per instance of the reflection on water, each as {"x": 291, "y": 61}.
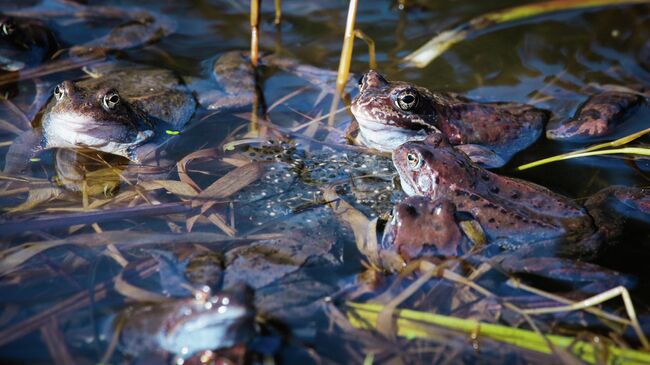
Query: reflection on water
{"x": 86, "y": 235}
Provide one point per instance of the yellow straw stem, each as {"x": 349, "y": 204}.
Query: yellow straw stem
{"x": 346, "y": 52}
{"x": 616, "y": 143}
{"x": 443, "y": 41}
{"x": 626, "y": 150}
{"x": 278, "y": 12}
{"x": 255, "y": 28}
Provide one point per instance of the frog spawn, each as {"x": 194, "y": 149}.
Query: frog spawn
{"x": 293, "y": 184}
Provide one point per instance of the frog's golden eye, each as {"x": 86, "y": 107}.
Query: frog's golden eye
{"x": 110, "y": 100}
{"x": 414, "y": 160}
{"x": 58, "y": 92}
{"x": 407, "y": 100}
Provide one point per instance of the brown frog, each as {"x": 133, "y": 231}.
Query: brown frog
{"x": 24, "y": 42}
{"x": 512, "y": 213}
{"x": 184, "y": 327}
{"x": 126, "y": 110}
{"x": 390, "y": 113}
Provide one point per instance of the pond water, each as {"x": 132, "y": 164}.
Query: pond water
{"x": 75, "y": 253}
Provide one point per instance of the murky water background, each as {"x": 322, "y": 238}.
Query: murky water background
{"x": 548, "y": 61}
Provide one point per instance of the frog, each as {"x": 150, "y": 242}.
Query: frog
{"x": 513, "y": 214}
{"x": 25, "y": 42}
{"x": 125, "y": 110}
{"x": 390, "y": 113}
{"x": 207, "y": 321}
{"x": 598, "y": 116}
{"x": 229, "y": 81}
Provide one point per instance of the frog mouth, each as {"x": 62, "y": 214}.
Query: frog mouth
{"x": 386, "y": 137}
{"x": 69, "y": 121}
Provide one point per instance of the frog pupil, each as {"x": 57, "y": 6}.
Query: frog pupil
{"x": 408, "y": 99}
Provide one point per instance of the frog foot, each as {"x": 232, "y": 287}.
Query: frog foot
{"x": 597, "y": 117}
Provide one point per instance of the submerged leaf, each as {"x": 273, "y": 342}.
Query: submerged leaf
{"x": 233, "y": 181}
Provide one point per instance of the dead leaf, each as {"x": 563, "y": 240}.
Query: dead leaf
{"x": 233, "y": 181}
{"x": 135, "y": 293}
{"x": 354, "y": 218}
{"x": 182, "y": 164}
{"x": 180, "y": 188}
{"x": 39, "y": 193}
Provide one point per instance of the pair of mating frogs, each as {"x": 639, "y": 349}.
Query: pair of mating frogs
{"x": 439, "y": 142}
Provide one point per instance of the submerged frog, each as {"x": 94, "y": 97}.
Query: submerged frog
{"x": 512, "y": 213}
{"x": 229, "y": 79}
{"x": 598, "y": 116}
{"x": 125, "y": 111}
{"x": 390, "y": 113}
{"x": 183, "y": 327}
{"x": 24, "y": 42}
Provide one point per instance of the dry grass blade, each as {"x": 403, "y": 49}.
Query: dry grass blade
{"x": 39, "y": 193}
{"x": 54, "y": 67}
{"x": 200, "y": 154}
{"x": 597, "y": 150}
{"x": 443, "y": 41}
{"x": 354, "y": 218}
{"x": 346, "y": 51}
{"x": 54, "y": 340}
{"x": 598, "y": 299}
{"x": 135, "y": 293}
{"x": 12, "y": 258}
{"x": 178, "y": 188}
{"x": 609, "y": 316}
{"x": 233, "y": 181}
{"x": 385, "y": 317}
{"x": 13, "y": 227}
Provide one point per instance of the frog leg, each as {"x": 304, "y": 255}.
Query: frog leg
{"x": 611, "y": 205}
{"x": 585, "y": 277}
{"x": 596, "y": 117}
{"x": 482, "y": 155}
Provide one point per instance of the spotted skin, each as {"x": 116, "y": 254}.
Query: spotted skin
{"x": 598, "y": 116}
{"x": 384, "y": 124}
{"x": 512, "y": 213}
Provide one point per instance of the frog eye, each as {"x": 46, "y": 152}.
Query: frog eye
{"x": 110, "y": 100}
{"x": 8, "y": 27}
{"x": 407, "y": 100}
{"x": 414, "y": 160}
{"x": 58, "y": 92}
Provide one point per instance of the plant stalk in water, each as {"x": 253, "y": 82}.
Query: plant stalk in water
{"x": 255, "y": 29}
{"x": 598, "y": 150}
{"x": 346, "y": 52}
{"x": 440, "y": 43}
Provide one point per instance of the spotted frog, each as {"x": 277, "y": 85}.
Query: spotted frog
{"x": 390, "y": 113}
{"x": 125, "y": 110}
{"x": 446, "y": 187}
